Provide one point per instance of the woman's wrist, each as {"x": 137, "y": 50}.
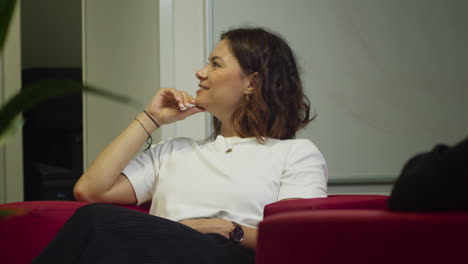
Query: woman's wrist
{"x": 147, "y": 122}
{"x": 224, "y": 227}
{"x": 153, "y": 118}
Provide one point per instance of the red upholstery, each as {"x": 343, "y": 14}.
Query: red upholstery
{"x": 330, "y": 202}
{"x": 357, "y": 235}
{"x": 337, "y": 229}
{"x": 23, "y": 237}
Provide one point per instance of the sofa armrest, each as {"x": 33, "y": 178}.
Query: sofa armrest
{"x": 24, "y": 236}
{"x": 330, "y": 202}
{"x": 363, "y": 236}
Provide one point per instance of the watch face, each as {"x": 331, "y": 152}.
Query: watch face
{"x": 237, "y": 234}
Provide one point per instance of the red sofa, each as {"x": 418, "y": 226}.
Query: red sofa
{"x": 337, "y": 229}
{"x": 359, "y": 229}
{"x": 23, "y": 237}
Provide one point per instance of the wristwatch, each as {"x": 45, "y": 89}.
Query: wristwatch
{"x": 237, "y": 233}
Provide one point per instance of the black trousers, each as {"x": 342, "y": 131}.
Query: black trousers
{"x": 102, "y": 233}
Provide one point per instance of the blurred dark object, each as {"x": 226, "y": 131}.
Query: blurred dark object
{"x": 52, "y": 140}
{"x": 433, "y": 181}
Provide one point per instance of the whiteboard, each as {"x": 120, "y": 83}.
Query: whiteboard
{"x": 387, "y": 78}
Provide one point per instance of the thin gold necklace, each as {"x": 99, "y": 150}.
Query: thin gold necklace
{"x": 229, "y": 148}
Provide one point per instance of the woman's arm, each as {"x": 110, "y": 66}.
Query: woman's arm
{"x": 103, "y": 180}
{"x": 222, "y": 227}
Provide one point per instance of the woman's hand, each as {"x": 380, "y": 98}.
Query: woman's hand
{"x": 170, "y": 105}
{"x": 209, "y": 225}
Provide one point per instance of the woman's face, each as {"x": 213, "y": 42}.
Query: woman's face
{"x": 222, "y": 83}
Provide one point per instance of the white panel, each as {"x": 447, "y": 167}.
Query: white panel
{"x": 121, "y": 54}
{"x": 387, "y": 78}
{"x": 2, "y": 148}
{"x": 209, "y": 46}
{"x": 11, "y": 157}
{"x": 189, "y": 56}
{"x": 167, "y": 56}
{"x": 182, "y": 34}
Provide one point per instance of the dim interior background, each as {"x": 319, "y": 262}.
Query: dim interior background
{"x": 387, "y": 79}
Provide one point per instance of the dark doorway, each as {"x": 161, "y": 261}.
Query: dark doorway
{"x": 52, "y": 134}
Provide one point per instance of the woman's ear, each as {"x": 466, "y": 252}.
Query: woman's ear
{"x": 253, "y": 79}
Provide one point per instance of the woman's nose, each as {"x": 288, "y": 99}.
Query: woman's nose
{"x": 201, "y": 74}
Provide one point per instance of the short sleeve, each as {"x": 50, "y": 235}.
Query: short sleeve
{"x": 305, "y": 172}
{"x": 142, "y": 172}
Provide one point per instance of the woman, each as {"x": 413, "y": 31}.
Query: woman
{"x": 207, "y": 197}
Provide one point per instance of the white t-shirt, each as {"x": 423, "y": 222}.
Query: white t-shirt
{"x": 188, "y": 179}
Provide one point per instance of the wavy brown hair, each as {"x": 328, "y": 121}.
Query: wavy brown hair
{"x": 278, "y": 107}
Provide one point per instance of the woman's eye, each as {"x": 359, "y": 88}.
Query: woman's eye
{"x": 216, "y": 65}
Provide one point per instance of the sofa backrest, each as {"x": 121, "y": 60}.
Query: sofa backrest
{"x": 376, "y": 202}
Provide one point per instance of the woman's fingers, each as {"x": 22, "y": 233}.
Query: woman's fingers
{"x": 170, "y": 105}
{"x": 175, "y": 97}
{"x": 191, "y": 111}
{"x": 186, "y": 102}
{"x": 165, "y": 98}
{"x": 183, "y": 102}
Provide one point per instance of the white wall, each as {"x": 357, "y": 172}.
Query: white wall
{"x": 51, "y": 33}
{"x": 120, "y": 54}
{"x": 11, "y": 154}
{"x": 387, "y": 78}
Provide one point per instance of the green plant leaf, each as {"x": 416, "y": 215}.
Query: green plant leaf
{"x": 41, "y": 91}
{"x": 10, "y": 130}
{"x": 7, "y": 7}
{"x": 7, "y": 212}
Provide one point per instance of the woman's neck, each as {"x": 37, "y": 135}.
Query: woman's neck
{"x": 227, "y": 130}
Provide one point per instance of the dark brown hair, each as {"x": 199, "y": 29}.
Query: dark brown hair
{"x": 278, "y": 107}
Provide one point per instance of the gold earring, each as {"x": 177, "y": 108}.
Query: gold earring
{"x": 247, "y": 97}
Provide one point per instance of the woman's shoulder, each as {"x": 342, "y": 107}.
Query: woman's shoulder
{"x": 295, "y": 143}
{"x": 294, "y": 147}
{"x": 179, "y": 142}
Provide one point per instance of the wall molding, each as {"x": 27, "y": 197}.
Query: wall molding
{"x": 362, "y": 181}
